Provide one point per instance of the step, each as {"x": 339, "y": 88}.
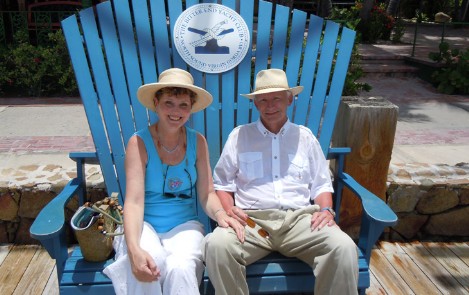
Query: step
{"x": 389, "y": 69}
{"x": 387, "y": 65}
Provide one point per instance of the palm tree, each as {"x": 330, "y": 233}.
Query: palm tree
{"x": 366, "y": 10}
{"x": 393, "y": 5}
{"x": 324, "y": 7}
{"x": 463, "y": 12}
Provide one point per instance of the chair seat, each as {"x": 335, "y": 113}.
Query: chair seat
{"x": 274, "y": 273}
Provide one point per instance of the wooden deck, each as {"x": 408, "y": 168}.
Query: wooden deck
{"x": 397, "y": 268}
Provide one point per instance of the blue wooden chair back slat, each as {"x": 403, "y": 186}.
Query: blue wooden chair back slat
{"x": 118, "y": 82}
{"x": 262, "y": 51}
{"x": 326, "y": 53}
{"x": 279, "y": 43}
{"x": 243, "y": 79}
{"x": 115, "y": 104}
{"x": 228, "y": 95}
{"x": 160, "y": 35}
{"x": 127, "y": 44}
{"x": 126, "y": 33}
{"x": 295, "y": 51}
{"x": 174, "y": 10}
{"x": 197, "y": 120}
{"x": 227, "y": 104}
{"x": 144, "y": 39}
{"x": 308, "y": 72}
{"x": 146, "y": 48}
{"x": 337, "y": 85}
{"x": 212, "y": 115}
{"x": 90, "y": 101}
{"x": 108, "y": 107}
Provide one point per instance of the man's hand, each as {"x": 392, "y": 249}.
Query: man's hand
{"x": 321, "y": 219}
{"x": 224, "y": 220}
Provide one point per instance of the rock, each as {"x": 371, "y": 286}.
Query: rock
{"x": 32, "y": 201}
{"x": 441, "y": 17}
{"x": 8, "y": 206}
{"x": 451, "y": 223}
{"x": 436, "y": 200}
{"x": 404, "y": 199}
{"x": 409, "y": 225}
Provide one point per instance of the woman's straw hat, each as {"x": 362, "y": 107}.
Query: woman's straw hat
{"x": 272, "y": 80}
{"x": 174, "y": 77}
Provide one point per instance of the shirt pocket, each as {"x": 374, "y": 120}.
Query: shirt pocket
{"x": 298, "y": 168}
{"x": 251, "y": 166}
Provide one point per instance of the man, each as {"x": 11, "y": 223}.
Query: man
{"x": 269, "y": 173}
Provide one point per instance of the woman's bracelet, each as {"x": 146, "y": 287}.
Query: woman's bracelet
{"x": 217, "y": 211}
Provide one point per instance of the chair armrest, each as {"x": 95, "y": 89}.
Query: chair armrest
{"x": 86, "y": 157}
{"x": 49, "y": 225}
{"x": 376, "y": 214}
{"x": 50, "y": 221}
{"x": 336, "y": 152}
{"x": 338, "y": 155}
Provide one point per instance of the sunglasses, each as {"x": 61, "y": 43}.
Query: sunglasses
{"x": 252, "y": 224}
{"x": 171, "y": 195}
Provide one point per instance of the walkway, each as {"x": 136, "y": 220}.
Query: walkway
{"x": 396, "y": 268}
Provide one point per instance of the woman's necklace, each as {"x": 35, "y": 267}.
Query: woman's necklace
{"x": 160, "y": 144}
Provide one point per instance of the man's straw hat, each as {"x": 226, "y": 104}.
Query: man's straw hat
{"x": 272, "y": 80}
{"x": 174, "y": 78}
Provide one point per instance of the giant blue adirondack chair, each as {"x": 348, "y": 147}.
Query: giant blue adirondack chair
{"x": 119, "y": 45}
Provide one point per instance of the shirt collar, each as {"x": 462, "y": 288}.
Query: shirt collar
{"x": 265, "y": 132}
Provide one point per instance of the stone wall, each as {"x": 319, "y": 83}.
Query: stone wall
{"x": 26, "y": 190}
{"x": 432, "y": 201}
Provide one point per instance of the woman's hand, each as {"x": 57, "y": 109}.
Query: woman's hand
{"x": 238, "y": 214}
{"x": 225, "y": 221}
{"x": 144, "y": 267}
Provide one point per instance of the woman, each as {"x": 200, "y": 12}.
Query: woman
{"x": 167, "y": 173}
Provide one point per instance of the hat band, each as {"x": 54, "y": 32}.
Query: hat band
{"x": 271, "y": 86}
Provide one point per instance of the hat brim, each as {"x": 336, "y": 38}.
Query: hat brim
{"x": 146, "y": 94}
{"x": 294, "y": 91}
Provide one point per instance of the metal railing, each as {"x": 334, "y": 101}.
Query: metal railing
{"x": 38, "y": 23}
{"x": 444, "y": 31}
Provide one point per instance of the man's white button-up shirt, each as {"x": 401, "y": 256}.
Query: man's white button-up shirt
{"x": 272, "y": 171}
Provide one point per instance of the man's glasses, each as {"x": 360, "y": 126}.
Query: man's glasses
{"x": 252, "y": 224}
{"x": 171, "y": 195}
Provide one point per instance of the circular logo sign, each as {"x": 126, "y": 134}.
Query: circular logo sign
{"x": 211, "y": 38}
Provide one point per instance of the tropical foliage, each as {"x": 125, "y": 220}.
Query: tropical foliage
{"x": 453, "y": 78}
{"x": 36, "y": 70}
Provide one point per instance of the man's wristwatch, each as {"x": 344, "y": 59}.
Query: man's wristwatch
{"x": 330, "y": 210}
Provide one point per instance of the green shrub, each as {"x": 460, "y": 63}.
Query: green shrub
{"x": 29, "y": 70}
{"x": 378, "y": 27}
{"x": 349, "y": 18}
{"x": 453, "y": 78}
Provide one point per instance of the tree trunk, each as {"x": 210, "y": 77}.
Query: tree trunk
{"x": 463, "y": 11}
{"x": 392, "y": 7}
{"x": 367, "y": 126}
{"x": 324, "y": 8}
{"x": 366, "y": 10}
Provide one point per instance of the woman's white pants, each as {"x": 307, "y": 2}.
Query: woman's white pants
{"x": 177, "y": 254}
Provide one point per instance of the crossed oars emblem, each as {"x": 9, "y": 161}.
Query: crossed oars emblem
{"x": 207, "y": 34}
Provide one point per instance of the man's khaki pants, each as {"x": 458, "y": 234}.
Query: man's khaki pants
{"x": 330, "y": 252}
